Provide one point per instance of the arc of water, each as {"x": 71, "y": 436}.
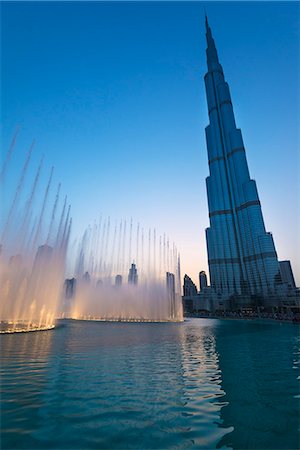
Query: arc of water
{"x": 29, "y": 203}
{"x": 164, "y": 255}
{"x": 168, "y": 255}
{"x": 62, "y": 216}
{"x": 38, "y": 231}
{"x": 130, "y": 243}
{"x": 149, "y": 253}
{"x": 98, "y": 233}
{"x": 102, "y": 249}
{"x": 123, "y": 249}
{"x": 9, "y": 154}
{"x": 160, "y": 258}
{"x": 106, "y": 245}
{"x": 179, "y": 275}
{"x": 137, "y": 243}
{"x": 154, "y": 253}
{"x": 97, "y": 246}
{"x": 119, "y": 248}
{"x": 53, "y": 213}
{"x": 29, "y": 241}
{"x": 17, "y": 193}
{"x": 111, "y": 265}
{"x": 91, "y": 250}
{"x": 65, "y": 227}
{"x": 67, "y": 236}
{"x": 142, "y": 254}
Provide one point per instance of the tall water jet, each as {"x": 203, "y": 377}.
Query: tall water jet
{"x": 131, "y": 282}
{"x": 33, "y": 252}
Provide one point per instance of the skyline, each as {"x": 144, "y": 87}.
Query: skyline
{"x": 174, "y": 90}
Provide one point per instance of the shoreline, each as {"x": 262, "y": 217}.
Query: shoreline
{"x": 293, "y": 320}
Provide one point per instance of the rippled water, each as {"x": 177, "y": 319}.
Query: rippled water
{"x": 204, "y": 383}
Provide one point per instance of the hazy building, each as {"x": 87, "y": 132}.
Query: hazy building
{"x": 287, "y": 273}
{"x": 241, "y": 253}
{"x": 42, "y": 264}
{"x": 86, "y": 277}
{"x": 133, "y": 276}
{"x": 202, "y": 280}
{"x": 70, "y": 287}
{"x": 118, "y": 280}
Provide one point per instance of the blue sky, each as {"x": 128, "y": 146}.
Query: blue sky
{"x": 114, "y": 95}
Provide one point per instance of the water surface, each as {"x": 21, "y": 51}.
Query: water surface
{"x": 205, "y": 383}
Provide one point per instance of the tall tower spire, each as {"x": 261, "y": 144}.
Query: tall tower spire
{"x": 241, "y": 254}
{"x": 211, "y": 51}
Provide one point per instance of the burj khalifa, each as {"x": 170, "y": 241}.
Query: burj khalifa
{"x": 242, "y": 257}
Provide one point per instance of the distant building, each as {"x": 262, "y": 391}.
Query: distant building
{"x": 202, "y": 280}
{"x": 170, "y": 280}
{"x": 86, "y": 277}
{"x": 70, "y": 287}
{"x": 118, "y": 280}
{"x": 189, "y": 287}
{"x": 287, "y": 273}
{"x": 189, "y": 294}
{"x": 42, "y": 260}
{"x": 133, "y": 276}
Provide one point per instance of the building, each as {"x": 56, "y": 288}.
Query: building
{"x": 242, "y": 258}
{"x": 70, "y": 287}
{"x": 189, "y": 294}
{"x": 132, "y": 276}
{"x": 287, "y": 273}
{"x": 202, "y": 280}
{"x": 189, "y": 287}
{"x": 118, "y": 280}
{"x": 86, "y": 278}
{"x": 170, "y": 281}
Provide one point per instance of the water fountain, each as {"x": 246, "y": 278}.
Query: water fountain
{"x": 34, "y": 240}
{"x": 124, "y": 272}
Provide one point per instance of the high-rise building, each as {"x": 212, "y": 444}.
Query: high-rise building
{"x": 241, "y": 253}
{"x": 118, "y": 280}
{"x": 133, "y": 276}
{"x": 189, "y": 287}
{"x": 189, "y": 294}
{"x": 86, "y": 277}
{"x": 202, "y": 280}
{"x": 287, "y": 273}
{"x": 70, "y": 287}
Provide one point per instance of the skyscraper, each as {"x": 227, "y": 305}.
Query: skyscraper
{"x": 287, "y": 273}
{"x": 202, "y": 280}
{"x": 189, "y": 287}
{"x": 118, "y": 280}
{"x": 241, "y": 253}
{"x": 132, "y": 276}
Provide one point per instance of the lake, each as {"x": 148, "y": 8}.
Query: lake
{"x": 203, "y": 383}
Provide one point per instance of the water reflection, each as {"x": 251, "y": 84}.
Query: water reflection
{"x": 257, "y": 361}
{"x": 201, "y": 377}
{"x": 203, "y": 383}
{"x": 23, "y": 373}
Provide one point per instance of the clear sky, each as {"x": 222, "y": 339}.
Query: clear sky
{"x": 114, "y": 95}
